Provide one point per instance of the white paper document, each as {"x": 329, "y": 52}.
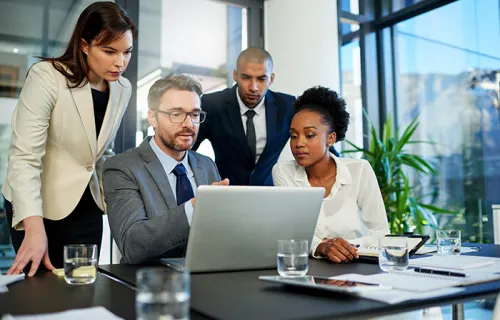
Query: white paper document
{"x": 100, "y": 313}
{"x": 5, "y": 280}
{"x": 454, "y": 262}
{"x": 419, "y": 282}
{"x": 397, "y": 296}
{"x": 428, "y": 248}
{"x": 468, "y": 249}
{"x": 402, "y": 281}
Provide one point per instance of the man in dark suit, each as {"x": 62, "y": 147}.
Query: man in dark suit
{"x": 150, "y": 189}
{"x": 248, "y": 125}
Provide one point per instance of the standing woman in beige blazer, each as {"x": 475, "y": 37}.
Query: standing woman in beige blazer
{"x": 63, "y": 129}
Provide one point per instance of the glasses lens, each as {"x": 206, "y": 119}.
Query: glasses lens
{"x": 201, "y": 117}
{"x": 177, "y": 117}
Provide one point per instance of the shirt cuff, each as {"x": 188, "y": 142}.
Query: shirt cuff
{"x": 188, "y": 209}
{"x": 314, "y": 245}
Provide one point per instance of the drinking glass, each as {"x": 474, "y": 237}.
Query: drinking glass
{"x": 293, "y": 258}
{"x": 80, "y": 263}
{"x": 449, "y": 242}
{"x": 393, "y": 253}
{"x": 162, "y": 293}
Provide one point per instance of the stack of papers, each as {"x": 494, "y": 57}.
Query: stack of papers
{"x": 407, "y": 281}
{"x": 411, "y": 285}
{"x": 419, "y": 282}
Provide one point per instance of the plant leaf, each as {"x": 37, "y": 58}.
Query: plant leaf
{"x": 438, "y": 209}
{"x": 407, "y": 134}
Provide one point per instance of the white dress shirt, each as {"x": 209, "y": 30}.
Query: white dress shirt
{"x": 169, "y": 164}
{"x": 259, "y": 122}
{"x": 354, "y": 209}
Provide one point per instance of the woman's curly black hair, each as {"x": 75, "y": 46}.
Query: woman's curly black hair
{"x": 329, "y": 105}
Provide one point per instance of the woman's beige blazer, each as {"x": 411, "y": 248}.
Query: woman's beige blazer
{"x": 54, "y": 152}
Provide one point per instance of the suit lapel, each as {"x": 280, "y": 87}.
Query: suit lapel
{"x": 157, "y": 172}
{"x": 271, "y": 124}
{"x": 234, "y": 115}
{"x": 200, "y": 176}
{"x": 82, "y": 97}
{"x": 113, "y": 110}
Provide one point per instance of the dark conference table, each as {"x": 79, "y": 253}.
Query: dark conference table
{"x": 225, "y": 295}
{"x": 47, "y": 293}
{"x": 241, "y": 295}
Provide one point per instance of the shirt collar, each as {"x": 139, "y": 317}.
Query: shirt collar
{"x": 167, "y": 161}
{"x": 243, "y": 108}
{"x": 343, "y": 174}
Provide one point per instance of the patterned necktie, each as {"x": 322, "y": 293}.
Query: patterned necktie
{"x": 183, "y": 190}
{"x": 251, "y": 137}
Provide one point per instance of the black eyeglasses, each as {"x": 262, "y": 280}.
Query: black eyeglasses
{"x": 197, "y": 117}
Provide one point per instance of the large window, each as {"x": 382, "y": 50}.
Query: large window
{"x": 351, "y": 6}
{"x": 437, "y": 60}
{"x": 350, "y": 67}
{"x": 448, "y": 74}
{"x": 31, "y": 28}
{"x": 199, "y": 37}
{"x": 396, "y": 5}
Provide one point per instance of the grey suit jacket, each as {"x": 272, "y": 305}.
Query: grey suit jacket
{"x": 145, "y": 220}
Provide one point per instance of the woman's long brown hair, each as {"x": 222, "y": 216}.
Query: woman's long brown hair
{"x": 100, "y": 23}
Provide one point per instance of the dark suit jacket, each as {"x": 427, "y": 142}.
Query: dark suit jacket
{"x": 224, "y": 128}
{"x": 145, "y": 220}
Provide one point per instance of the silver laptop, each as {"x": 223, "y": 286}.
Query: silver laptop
{"x": 237, "y": 227}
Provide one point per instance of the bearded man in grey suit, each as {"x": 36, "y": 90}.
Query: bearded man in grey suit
{"x": 150, "y": 190}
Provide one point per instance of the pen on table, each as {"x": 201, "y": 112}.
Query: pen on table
{"x": 441, "y": 272}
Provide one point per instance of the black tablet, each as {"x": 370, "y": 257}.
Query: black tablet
{"x": 328, "y": 284}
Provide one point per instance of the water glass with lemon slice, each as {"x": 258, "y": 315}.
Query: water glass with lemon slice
{"x": 80, "y": 263}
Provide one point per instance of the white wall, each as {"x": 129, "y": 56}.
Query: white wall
{"x": 194, "y": 32}
{"x": 105, "y": 257}
{"x": 302, "y": 37}
{"x": 7, "y": 106}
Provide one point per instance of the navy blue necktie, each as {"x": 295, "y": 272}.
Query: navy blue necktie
{"x": 183, "y": 190}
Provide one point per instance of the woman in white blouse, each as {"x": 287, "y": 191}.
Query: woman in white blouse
{"x": 353, "y": 211}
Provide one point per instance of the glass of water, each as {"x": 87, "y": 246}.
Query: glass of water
{"x": 449, "y": 242}
{"x": 162, "y": 293}
{"x": 393, "y": 253}
{"x": 80, "y": 263}
{"x": 293, "y": 258}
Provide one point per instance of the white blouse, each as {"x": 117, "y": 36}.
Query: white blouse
{"x": 354, "y": 209}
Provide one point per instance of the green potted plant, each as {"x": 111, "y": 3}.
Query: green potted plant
{"x": 391, "y": 159}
